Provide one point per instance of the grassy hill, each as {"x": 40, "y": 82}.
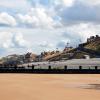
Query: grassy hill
{"x": 90, "y": 48}
{"x": 95, "y": 45}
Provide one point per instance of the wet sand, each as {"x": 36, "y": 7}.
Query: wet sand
{"x": 49, "y": 87}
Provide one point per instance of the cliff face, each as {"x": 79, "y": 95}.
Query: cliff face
{"x": 95, "y": 45}
{"x": 90, "y": 48}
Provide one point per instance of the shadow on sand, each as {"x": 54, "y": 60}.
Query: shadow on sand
{"x": 91, "y": 86}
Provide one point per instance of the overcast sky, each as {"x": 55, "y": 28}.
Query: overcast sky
{"x": 38, "y": 25}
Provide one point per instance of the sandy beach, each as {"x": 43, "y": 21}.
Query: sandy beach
{"x": 49, "y": 87}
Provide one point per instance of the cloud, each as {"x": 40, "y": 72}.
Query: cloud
{"x": 38, "y": 25}
{"x": 53, "y": 14}
{"x": 79, "y": 33}
{"x": 8, "y": 44}
{"x": 7, "y": 20}
{"x": 13, "y": 43}
{"x": 4, "y": 36}
{"x": 45, "y": 39}
{"x": 67, "y": 3}
{"x": 70, "y": 12}
{"x": 38, "y": 17}
{"x": 50, "y": 3}
{"x": 13, "y": 40}
{"x": 19, "y": 41}
{"x": 80, "y": 13}
{"x": 45, "y": 44}
{"x": 15, "y": 5}
{"x": 62, "y": 43}
{"x": 91, "y": 2}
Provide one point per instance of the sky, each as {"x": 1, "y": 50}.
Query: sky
{"x": 43, "y": 25}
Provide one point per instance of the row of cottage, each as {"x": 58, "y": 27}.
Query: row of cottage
{"x": 28, "y": 57}
{"x": 25, "y": 58}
